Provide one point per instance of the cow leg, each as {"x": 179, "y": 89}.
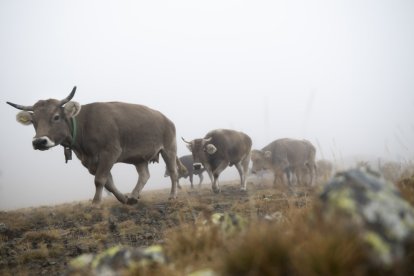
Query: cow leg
{"x": 210, "y": 175}
{"x": 170, "y": 159}
{"x": 200, "y": 175}
{"x": 279, "y": 176}
{"x": 143, "y": 176}
{"x": 102, "y": 171}
{"x": 216, "y": 174}
{"x": 101, "y": 178}
{"x": 288, "y": 174}
{"x": 296, "y": 176}
{"x": 242, "y": 168}
{"x": 99, "y": 184}
{"x": 191, "y": 179}
{"x": 111, "y": 187}
{"x": 312, "y": 170}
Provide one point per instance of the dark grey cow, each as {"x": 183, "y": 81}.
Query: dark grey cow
{"x": 187, "y": 161}
{"x": 286, "y": 157}
{"x": 102, "y": 134}
{"x": 219, "y": 149}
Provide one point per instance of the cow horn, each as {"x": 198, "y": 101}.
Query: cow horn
{"x": 208, "y": 139}
{"x": 68, "y": 98}
{"x": 185, "y": 141}
{"x": 21, "y": 107}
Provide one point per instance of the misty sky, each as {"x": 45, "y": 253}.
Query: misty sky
{"x": 338, "y": 73}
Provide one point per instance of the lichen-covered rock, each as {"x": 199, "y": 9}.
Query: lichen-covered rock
{"x": 384, "y": 219}
{"x": 115, "y": 260}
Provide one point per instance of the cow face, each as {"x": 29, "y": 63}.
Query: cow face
{"x": 201, "y": 149}
{"x": 51, "y": 120}
{"x": 261, "y": 160}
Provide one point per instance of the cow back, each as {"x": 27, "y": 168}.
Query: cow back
{"x": 291, "y": 151}
{"x": 231, "y": 145}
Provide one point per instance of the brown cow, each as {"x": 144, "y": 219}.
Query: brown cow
{"x": 102, "y": 134}
{"x": 286, "y": 157}
{"x": 219, "y": 149}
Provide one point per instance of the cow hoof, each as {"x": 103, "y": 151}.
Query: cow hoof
{"x": 172, "y": 197}
{"x": 216, "y": 191}
{"x": 96, "y": 202}
{"x": 132, "y": 201}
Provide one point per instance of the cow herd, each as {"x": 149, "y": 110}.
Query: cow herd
{"x": 102, "y": 134}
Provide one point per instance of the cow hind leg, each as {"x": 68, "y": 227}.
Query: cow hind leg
{"x": 170, "y": 159}
{"x": 143, "y": 176}
{"x": 242, "y": 174}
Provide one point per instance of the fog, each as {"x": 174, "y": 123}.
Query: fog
{"x": 338, "y": 73}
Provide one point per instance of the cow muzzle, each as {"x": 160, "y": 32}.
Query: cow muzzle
{"x": 42, "y": 143}
{"x": 197, "y": 166}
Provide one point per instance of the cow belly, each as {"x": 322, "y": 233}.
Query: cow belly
{"x": 137, "y": 156}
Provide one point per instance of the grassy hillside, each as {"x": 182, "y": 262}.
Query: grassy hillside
{"x": 277, "y": 234}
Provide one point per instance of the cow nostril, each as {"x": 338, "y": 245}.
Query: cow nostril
{"x": 39, "y": 143}
{"x": 197, "y": 166}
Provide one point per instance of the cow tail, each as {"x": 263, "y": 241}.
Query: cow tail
{"x": 181, "y": 169}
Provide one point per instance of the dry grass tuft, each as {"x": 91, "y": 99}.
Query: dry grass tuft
{"x": 406, "y": 187}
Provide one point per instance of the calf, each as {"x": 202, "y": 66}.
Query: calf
{"x": 187, "y": 161}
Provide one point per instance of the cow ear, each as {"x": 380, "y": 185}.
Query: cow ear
{"x": 211, "y": 149}
{"x": 268, "y": 154}
{"x": 24, "y": 117}
{"x": 72, "y": 109}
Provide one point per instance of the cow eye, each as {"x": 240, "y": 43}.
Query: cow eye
{"x": 56, "y": 118}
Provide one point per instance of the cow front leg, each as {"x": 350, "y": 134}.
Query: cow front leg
{"x": 216, "y": 174}
{"x": 143, "y": 176}
{"x": 111, "y": 187}
{"x": 200, "y": 175}
{"x": 191, "y": 179}
{"x": 103, "y": 172}
{"x": 101, "y": 178}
